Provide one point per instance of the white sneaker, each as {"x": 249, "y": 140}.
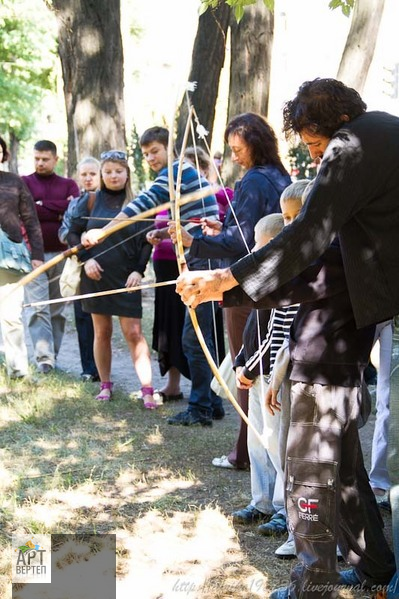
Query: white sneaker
{"x": 222, "y": 462}
{"x": 286, "y": 550}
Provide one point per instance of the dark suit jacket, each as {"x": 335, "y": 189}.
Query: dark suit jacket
{"x": 355, "y": 196}
{"x": 325, "y": 345}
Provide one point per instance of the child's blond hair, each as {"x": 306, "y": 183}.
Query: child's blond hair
{"x": 295, "y": 190}
{"x": 270, "y": 225}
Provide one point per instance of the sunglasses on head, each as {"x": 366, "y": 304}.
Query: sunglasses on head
{"x": 113, "y": 154}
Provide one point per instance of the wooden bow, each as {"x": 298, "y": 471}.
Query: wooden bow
{"x": 120, "y": 224}
{"x": 176, "y": 203}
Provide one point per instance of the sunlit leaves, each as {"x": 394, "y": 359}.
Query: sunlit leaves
{"x": 238, "y": 6}
{"x": 27, "y": 56}
{"x": 345, "y": 5}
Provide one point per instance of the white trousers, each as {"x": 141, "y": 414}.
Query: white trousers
{"x": 267, "y": 478}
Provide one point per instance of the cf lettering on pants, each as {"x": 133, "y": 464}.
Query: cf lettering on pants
{"x": 307, "y": 509}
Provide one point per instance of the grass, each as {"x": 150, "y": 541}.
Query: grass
{"x": 70, "y": 465}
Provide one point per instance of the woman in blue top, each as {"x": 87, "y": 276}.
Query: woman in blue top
{"x": 254, "y": 147}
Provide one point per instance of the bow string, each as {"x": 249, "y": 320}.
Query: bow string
{"x": 117, "y": 226}
{"x": 177, "y": 202}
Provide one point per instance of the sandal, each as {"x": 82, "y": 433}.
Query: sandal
{"x": 105, "y": 391}
{"x": 165, "y": 397}
{"x": 147, "y": 394}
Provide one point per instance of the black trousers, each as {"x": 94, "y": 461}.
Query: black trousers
{"x": 84, "y": 328}
{"x": 328, "y": 495}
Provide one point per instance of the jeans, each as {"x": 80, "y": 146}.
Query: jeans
{"x": 46, "y": 323}
{"x": 328, "y": 493}
{"x": 267, "y": 479}
{"x": 379, "y": 478}
{"x": 12, "y": 328}
{"x": 85, "y": 331}
{"x": 202, "y": 399}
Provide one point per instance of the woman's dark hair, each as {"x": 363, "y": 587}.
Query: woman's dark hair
{"x": 321, "y": 107}
{"x": 6, "y": 153}
{"x": 259, "y": 136}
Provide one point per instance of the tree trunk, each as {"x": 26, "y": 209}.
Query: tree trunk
{"x": 251, "y": 51}
{"x": 360, "y": 44}
{"x": 14, "y": 151}
{"x": 90, "y": 48}
{"x": 207, "y": 62}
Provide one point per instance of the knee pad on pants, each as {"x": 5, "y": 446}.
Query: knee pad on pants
{"x": 311, "y": 498}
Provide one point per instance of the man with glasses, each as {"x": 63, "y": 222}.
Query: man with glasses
{"x": 354, "y": 197}
{"x": 51, "y": 194}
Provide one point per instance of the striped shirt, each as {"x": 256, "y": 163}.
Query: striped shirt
{"x": 158, "y": 194}
{"x": 278, "y": 329}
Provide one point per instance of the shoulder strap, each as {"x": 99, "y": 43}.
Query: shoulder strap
{"x": 91, "y": 200}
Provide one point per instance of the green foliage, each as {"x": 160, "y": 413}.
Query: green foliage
{"x": 27, "y": 56}
{"x": 134, "y": 152}
{"x": 238, "y": 6}
{"x": 302, "y": 166}
{"x": 345, "y": 5}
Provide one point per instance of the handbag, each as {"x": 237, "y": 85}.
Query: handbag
{"x": 70, "y": 277}
{"x": 14, "y": 257}
{"x": 228, "y": 374}
{"x": 71, "y": 273}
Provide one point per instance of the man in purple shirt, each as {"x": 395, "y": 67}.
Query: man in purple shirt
{"x": 51, "y": 194}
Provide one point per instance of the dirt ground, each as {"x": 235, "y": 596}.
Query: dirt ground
{"x": 210, "y": 558}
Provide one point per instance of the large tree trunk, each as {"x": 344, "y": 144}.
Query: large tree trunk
{"x": 207, "y": 62}
{"x": 251, "y": 51}
{"x": 14, "y": 151}
{"x": 90, "y": 48}
{"x": 360, "y": 44}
